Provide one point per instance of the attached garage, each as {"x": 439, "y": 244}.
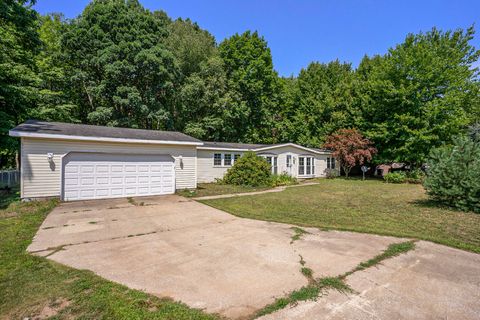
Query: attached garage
{"x": 82, "y": 162}
{"x": 104, "y": 175}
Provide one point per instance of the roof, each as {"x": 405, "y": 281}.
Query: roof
{"x": 233, "y": 145}
{"x": 255, "y": 147}
{"x": 60, "y": 130}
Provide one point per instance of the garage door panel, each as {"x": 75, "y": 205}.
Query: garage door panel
{"x": 97, "y": 176}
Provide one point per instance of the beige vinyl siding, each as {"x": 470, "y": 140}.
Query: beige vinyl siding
{"x": 206, "y": 171}
{"x": 43, "y": 179}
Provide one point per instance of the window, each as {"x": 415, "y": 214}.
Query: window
{"x": 330, "y": 163}
{"x": 289, "y": 160}
{"x": 273, "y": 162}
{"x": 227, "y": 159}
{"x": 306, "y": 166}
{"x": 217, "y": 159}
{"x": 236, "y": 157}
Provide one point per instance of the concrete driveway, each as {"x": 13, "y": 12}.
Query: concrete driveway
{"x": 208, "y": 259}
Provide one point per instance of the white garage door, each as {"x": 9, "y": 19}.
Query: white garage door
{"x": 99, "y": 176}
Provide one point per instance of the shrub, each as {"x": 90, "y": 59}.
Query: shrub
{"x": 395, "y": 177}
{"x": 282, "y": 180}
{"x": 415, "y": 176}
{"x": 331, "y": 173}
{"x": 453, "y": 175}
{"x": 249, "y": 170}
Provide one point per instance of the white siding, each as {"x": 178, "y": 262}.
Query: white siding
{"x": 207, "y": 172}
{"x": 43, "y": 179}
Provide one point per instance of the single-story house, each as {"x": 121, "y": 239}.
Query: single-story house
{"x": 80, "y": 162}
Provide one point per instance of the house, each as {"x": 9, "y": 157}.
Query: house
{"x": 80, "y": 162}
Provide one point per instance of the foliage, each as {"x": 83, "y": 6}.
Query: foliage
{"x": 283, "y": 179}
{"x": 19, "y": 43}
{"x": 415, "y": 176}
{"x": 395, "y": 177}
{"x": 249, "y": 170}
{"x": 474, "y": 132}
{"x": 453, "y": 174}
{"x": 118, "y": 64}
{"x": 331, "y": 173}
{"x": 253, "y": 82}
{"x": 350, "y": 148}
{"x": 420, "y": 94}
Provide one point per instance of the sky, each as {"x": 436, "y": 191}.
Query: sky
{"x": 299, "y": 32}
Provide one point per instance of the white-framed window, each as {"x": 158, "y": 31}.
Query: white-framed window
{"x": 306, "y": 166}
{"x": 330, "y": 163}
{"x": 236, "y": 157}
{"x": 227, "y": 159}
{"x": 289, "y": 160}
{"x": 273, "y": 162}
{"x": 217, "y": 159}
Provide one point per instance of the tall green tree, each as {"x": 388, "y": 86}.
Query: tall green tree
{"x": 121, "y": 70}
{"x": 420, "y": 94}
{"x": 253, "y": 82}
{"x": 19, "y": 43}
{"x": 323, "y": 102}
{"x": 53, "y": 101}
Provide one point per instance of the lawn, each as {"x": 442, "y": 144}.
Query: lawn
{"x": 212, "y": 189}
{"x": 33, "y": 287}
{"x": 370, "y": 206}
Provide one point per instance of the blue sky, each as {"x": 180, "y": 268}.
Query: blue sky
{"x": 299, "y": 32}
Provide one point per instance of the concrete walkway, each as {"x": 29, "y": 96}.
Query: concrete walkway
{"x": 276, "y": 189}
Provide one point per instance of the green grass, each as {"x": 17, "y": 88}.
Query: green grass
{"x": 298, "y": 233}
{"x": 28, "y": 283}
{"x": 213, "y": 189}
{"x": 393, "y": 250}
{"x": 369, "y": 206}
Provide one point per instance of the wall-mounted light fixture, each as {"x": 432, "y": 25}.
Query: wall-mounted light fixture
{"x": 180, "y": 158}
{"x": 50, "y": 156}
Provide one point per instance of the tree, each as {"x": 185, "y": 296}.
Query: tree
{"x": 452, "y": 175}
{"x": 322, "y": 102}
{"x": 121, "y": 72}
{"x": 19, "y": 43}
{"x": 420, "y": 94}
{"x": 254, "y": 87}
{"x": 350, "y": 148}
{"x": 53, "y": 100}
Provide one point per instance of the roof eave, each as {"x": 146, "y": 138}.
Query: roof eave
{"x": 14, "y": 133}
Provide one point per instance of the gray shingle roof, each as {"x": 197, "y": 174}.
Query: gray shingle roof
{"x": 59, "y": 128}
{"x": 232, "y": 145}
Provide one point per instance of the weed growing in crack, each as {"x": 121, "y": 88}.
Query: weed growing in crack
{"x": 316, "y": 287}
{"x": 298, "y": 233}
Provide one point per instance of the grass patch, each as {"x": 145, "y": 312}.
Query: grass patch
{"x": 213, "y": 189}
{"x": 29, "y": 285}
{"x": 370, "y": 206}
{"x": 298, "y": 233}
{"x": 307, "y": 272}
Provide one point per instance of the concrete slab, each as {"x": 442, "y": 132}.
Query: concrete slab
{"x": 172, "y": 246}
{"x": 431, "y": 282}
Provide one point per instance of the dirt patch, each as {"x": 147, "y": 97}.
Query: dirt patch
{"x": 51, "y": 310}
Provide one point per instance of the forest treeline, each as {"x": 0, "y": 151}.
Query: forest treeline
{"x": 118, "y": 64}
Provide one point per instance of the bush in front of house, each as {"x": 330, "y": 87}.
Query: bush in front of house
{"x": 453, "y": 175}
{"x": 331, "y": 173}
{"x": 395, "y": 177}
{"x": 283, "y": 179}
{"x": 249, "y": 170}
